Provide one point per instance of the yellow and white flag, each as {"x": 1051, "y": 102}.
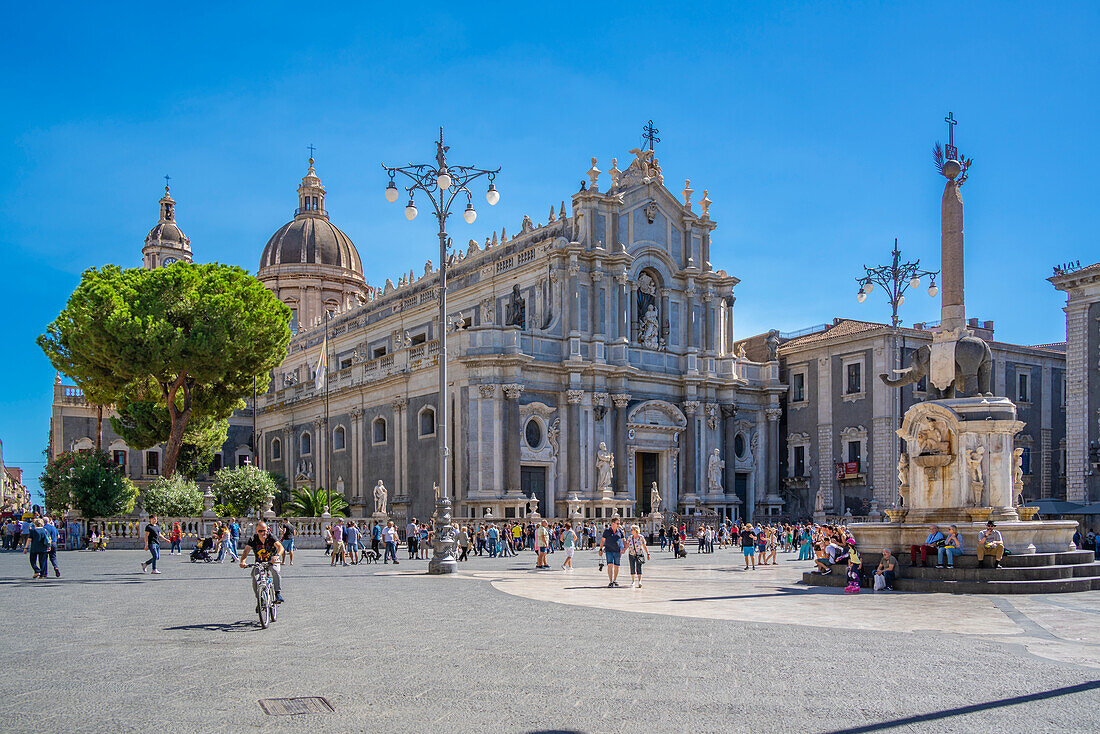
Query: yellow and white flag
{"x": 322, "y": 365}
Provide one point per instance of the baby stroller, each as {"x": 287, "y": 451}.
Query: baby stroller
{"x": 202, "y": 551}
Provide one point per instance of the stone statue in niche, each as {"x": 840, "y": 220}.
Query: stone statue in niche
{"x": 517, "y": 309}
{"x": 933, "y": 438}
{"x": 647, "y": 294}
{"x": 714, "y": 472}
{"x": 651, "y": 212}
{"x": 651, "y": 329}
{"x": 605, "y": 463}
{"x": 487, "y": 311}
{"x": 380, "y": 497}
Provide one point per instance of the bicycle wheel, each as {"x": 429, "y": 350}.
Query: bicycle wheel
{"x": 274, "y": 609}
{"x": 265, "y": 607}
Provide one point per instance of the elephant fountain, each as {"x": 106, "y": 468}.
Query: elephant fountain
{"x": 973, "y": 370}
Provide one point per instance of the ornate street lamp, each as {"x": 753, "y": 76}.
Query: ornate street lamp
{"x": 441, "y": 184}
{"x": 895, "y": 279}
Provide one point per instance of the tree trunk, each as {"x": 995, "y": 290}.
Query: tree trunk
{"x": 99, "y": 428}
{"x": 179, "y": 423}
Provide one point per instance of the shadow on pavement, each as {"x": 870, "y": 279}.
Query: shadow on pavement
{"x": 972, "y": 709}
{"x": 241, "y": 626}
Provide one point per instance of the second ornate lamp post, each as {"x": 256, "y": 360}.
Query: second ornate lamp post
{"x": 442, "y": 184}
{"x": 895, "y": 279}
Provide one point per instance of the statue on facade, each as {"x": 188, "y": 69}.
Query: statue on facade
{"x": 819, "y": 503}
{"x": 741, "y": 351}
{"x": 714, "y": 472}
{"x": 773, "y": 346}
{"x": 605, "y": 463}
{"x": 517, "y": 309}
{"x": 438, "y": 493}
{"x": 651, "y": 329}
{"x": 654, "y": 498}
{"x": 380, "y": 496}
{"x": 903, "y": 470}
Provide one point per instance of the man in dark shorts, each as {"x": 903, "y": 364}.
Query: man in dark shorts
{"x": 611, "y": 548}
{"x": 288, "y": 542}
{"x": 266, "y": 548}
{"x": 153, "y": 537}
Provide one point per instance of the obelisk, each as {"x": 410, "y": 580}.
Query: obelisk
{"x": 952, "y": 305}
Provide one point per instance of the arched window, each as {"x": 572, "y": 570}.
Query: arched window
{"x": 276, "y": 450}
{"x": 379, "y": 430}
{"x": 427, "y": 422}
{"x": 338, "y": 439}
{"x": 306, "y": 442}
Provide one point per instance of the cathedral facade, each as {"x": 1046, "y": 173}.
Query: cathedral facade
{"x": 591, "y": 361}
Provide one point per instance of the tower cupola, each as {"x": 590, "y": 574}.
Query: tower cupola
{"x": 166, "y": 243}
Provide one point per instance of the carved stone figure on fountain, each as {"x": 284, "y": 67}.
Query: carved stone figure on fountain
{"x": 654, "y": 499}
{"x": 933, "y": 438}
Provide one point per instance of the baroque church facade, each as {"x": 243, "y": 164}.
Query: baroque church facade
{"x": 602, "y": 335}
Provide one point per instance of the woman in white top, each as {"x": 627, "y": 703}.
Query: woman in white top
{"x": 635, "y": 549}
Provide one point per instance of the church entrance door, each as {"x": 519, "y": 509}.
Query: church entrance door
{"x": 646, "y": 476}
{"x": 533, "y": 479}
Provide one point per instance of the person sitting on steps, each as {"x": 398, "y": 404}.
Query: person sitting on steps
{"x": 951, "y": 548}
{"x": 888, "y": 569}
{"x": 932, "y": 542}
{"x": 991, "y": 543}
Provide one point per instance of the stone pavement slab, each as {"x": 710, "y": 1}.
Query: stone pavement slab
{"x": 494, "y": 648}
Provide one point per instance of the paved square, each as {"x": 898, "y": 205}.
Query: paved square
{"x": 704, "y": 646}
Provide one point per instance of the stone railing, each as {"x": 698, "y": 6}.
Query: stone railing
{"x": 129, "y": 532}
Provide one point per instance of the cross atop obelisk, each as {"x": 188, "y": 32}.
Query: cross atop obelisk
{"x": 952, "y": 152}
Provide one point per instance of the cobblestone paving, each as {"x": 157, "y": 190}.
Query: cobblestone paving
{"x": 109, "y": 649}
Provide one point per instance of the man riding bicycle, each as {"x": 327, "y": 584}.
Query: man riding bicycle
{"x": 268, "y": 550}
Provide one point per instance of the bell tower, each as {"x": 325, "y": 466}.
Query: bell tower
{"x": 166, "y": 243}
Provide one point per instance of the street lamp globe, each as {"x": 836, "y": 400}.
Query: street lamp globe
{"x": 492, "y": 195}
{"x": 470, "y": 214}
{"x": 861, "y": 296}
{"x": 391, "y": 193}
{"x": 410, "y": 210}
{"x": 443, "y": 179}
{"x": 901, "y": 300}
{"x": 933, "y": 290}
{"x": 914, "y": 283}
{"x": 868, "y": 287}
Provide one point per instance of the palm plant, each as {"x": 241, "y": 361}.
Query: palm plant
{"x": 306, "y": 502}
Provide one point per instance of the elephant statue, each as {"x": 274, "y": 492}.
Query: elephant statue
{"x": 973, "y": 370}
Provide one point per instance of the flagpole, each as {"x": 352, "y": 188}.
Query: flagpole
{"x": 328, "y": 450}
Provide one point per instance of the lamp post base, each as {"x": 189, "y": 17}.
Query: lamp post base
{"x": 443, "y": 549}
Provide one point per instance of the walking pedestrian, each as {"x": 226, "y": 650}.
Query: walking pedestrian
{"x": 289, "y": 531}
{"x": 351, "y": 540}
{"x": 635, "y": 549}
{"x": 611, "y": 548}
{"x": 748, "y": 545}
{"x": 37, "y": 543}
{"x": 55, "y": 536}
{"x": 338, "y": 544}
{"x": 153, "y": 537}
{"x": 542, "y": 545}
{"x": 412, "y": 537}
{"x": 569, "y": 544}
{"x": 462, "y": 542}
{"x": 389, "y": 539}
{"x": 376, "y": 538}
{"x": 176, "y": 538}
{"x": 328, "y": 539}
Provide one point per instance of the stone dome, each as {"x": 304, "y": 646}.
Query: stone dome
{"x": 167, "y": 232}
{"x": 310, "y": 238}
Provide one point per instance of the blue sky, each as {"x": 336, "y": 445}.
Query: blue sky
{"x": 810, "y": 125}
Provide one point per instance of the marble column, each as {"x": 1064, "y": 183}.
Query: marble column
{"x": 729, "y": 323}
{"x": 290, "y": 451}
{"x": 357, "y": 482}
{"x": 773, "y": 414}
{"x": 510, "y": 430}
{"x": 609, "y": 307}
{"x": 708, "y": 321}
{"x": 689, "y": 314}
{"x": 620, "y": 400}
{"x": 400, "y": 434}
{"x": 665, "y": 329}
{"x": 597, "y": 329}
{"x": 624, "y": 307}
{"x": 729, "y": 433}
{"x": 574, "y": 300}
{"x": 690, "y": 488}
{"x": 573, "y": 400}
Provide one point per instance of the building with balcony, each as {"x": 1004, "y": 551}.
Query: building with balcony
{"x": 14, "y": 494}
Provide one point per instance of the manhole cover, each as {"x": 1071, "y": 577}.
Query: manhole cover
{"x": 299, "y": 705}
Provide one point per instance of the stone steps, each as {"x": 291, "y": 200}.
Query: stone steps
{"x": 1043, "y": 573}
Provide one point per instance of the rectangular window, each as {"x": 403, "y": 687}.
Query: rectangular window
{"x": 799, "y": 461}
{"x": 345, "y": 363}
{"x": 419, "y": 339}
{"x": 152, "y": 462}
{"x": 120, "y": 458}
{"x": 1025, "y": 460}
{"x": 855, "y": 378}
{"x": 217, "y": 464}
{"x": 855, "y": 448}
{"x": 798, "y": 388}
{"x": 1023, "y": 393}
{"x": 241, "y": 460}
{"x": 293, "y": 321}
{"x": 379, "y": 352}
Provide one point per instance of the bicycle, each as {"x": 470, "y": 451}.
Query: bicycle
{"x": 265, "y": 592}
